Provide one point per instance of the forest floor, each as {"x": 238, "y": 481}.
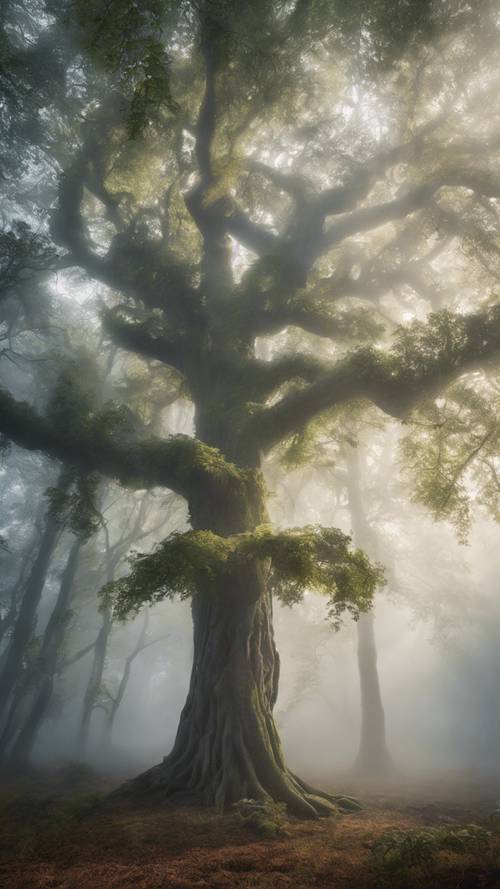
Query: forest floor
{"x": 410, "y": 835}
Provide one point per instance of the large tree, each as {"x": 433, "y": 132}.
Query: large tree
{"x": 242, "y": 169}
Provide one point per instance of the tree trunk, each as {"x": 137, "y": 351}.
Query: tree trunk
{"x": 53, "y": 637}
{"x": 23, "y": 628}
{"x": 94, "y": 682}
{"x": 227, "y": 746}
{"x": 373, "y": 757}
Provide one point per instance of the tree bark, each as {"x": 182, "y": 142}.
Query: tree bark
{"x": 23, "y": 628}
{"x": 53, "y": 637}
{"x": 227, "y": 746}
{"x": 373, "y": 756}
{"x": 94, "y": 682}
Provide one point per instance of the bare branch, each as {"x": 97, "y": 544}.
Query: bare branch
{"x": 77, "y": 656}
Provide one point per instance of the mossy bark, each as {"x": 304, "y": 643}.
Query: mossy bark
{"x": 227, "y": 746}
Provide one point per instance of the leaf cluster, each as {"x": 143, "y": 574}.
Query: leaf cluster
{"x": 450, "y": 453}
{"x": 24, "y": 253}
{"x": 128, "y": 38}
{"x": 399, "y": 849}
{"x": 198, "y": 562}
{"x": 76, "y": 508}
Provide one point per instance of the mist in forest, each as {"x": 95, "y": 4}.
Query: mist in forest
{"x": 436, "y": 627}
{"x": 249, "y": 341}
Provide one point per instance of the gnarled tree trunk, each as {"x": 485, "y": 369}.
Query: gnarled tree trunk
{"x": 227, "y": 746}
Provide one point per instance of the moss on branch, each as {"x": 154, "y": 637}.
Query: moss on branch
{"x": 109, "y": 442}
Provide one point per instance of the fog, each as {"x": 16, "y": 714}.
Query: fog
{"x": 437, "y": 629}
{"x": 111, "y": 216}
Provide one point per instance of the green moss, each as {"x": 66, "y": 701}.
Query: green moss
{"x": 300, "y": 558}
{"x": 266, "y": 818}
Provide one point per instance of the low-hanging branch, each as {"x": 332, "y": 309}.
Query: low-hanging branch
{"x": 183, "y": 464}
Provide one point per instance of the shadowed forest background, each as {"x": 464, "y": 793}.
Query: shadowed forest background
{"x": 250, "y": 443}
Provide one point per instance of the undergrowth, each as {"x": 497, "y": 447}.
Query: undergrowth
{"x": 398, "y": 849}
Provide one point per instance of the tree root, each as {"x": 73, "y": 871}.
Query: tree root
{"x": 166, "y": 783}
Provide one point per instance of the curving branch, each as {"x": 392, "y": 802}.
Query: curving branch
{"x": 255, "y": 237}
{"x": 322, "y": 319}
{"x": 136, "y": 336}
{"x": 183, "y": 464}
{"x": 299, "y": 187}
{"x": 370, "y": 218}
{"x": 395, "y": 381}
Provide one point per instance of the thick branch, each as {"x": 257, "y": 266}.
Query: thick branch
{"x": 136, "y": 337}
{"x": 369, "y": 218}
{"x": 180, "y": 463}
{"x": 395, "y": 382}
{"x": 292, "y": 183}
{"x": 255, "y": 237}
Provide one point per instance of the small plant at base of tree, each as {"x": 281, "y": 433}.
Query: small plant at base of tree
{"x": 264, "y": 817}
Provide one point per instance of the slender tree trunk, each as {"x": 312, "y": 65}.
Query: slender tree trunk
{"x": 114, "y": 553}
{"x": 373, "y": 756}
{"x": 95, "y": 681}
{"x": 25, "y": 622}
{"x": 53, "y": 638}
{"x": 116, "y": 700}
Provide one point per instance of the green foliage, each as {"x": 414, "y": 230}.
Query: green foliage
{"x": 264, "y": 817}
{"x": 450, "y": 453}
{"x": 128, "y": 38}
{"x": 323, "y": 439}
{"x": 73, "y": 394}
{"x": 76, "y": 508}
{"x": 316, "y": 558}
{"x": 300, "y": 558}
{"x": 33, "y": 64}
{"x": 445, "y": 339}
{"x": 399, "y": 849}
{"x": 182, "y": 565}
{"x": 23, "y": 254}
